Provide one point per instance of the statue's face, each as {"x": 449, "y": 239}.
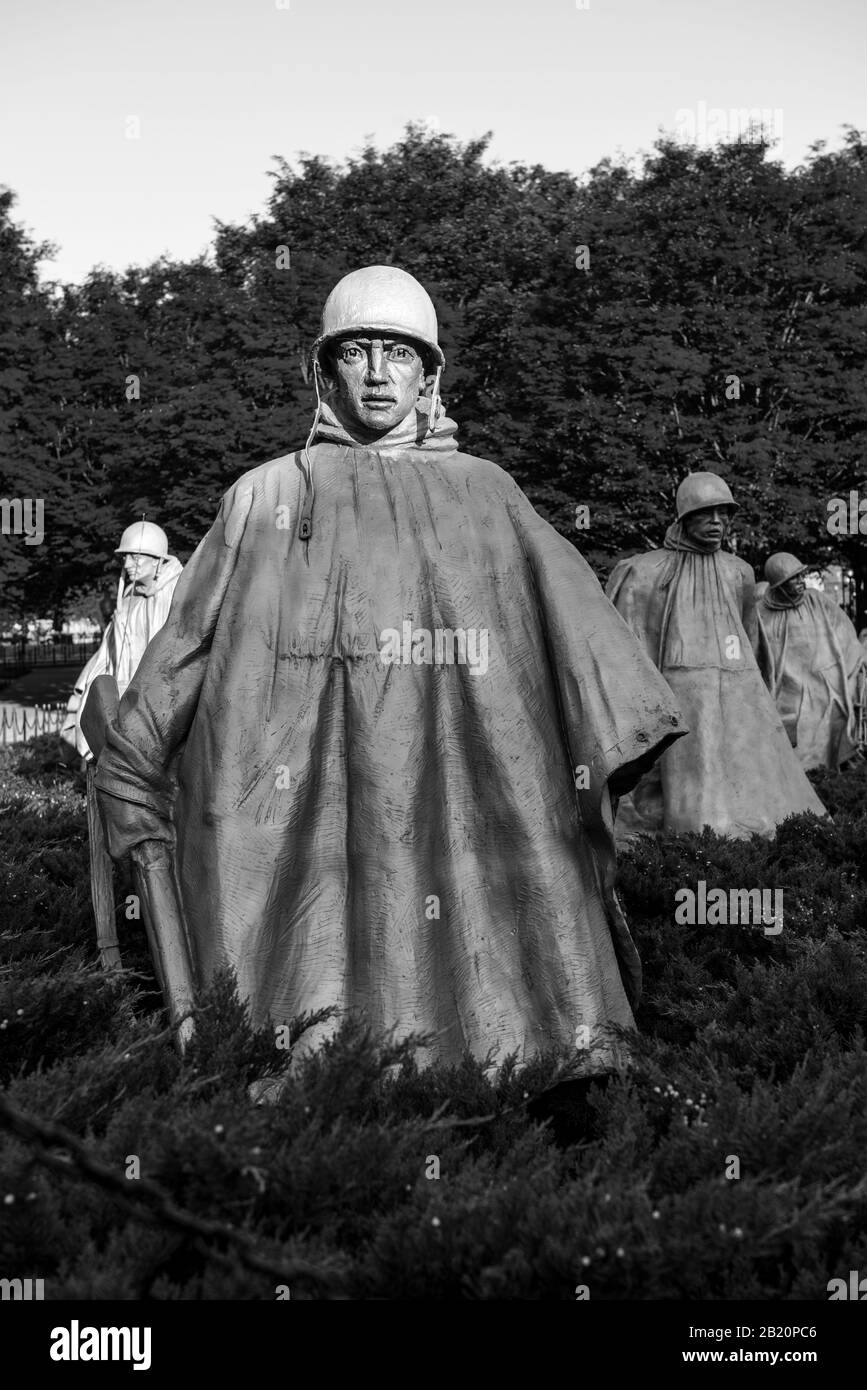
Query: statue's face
{"x": 142, "y": 567}
{"x": 378, "y": 381}
{"x": 708, "y": 526}
{"x": 793, "y": 588}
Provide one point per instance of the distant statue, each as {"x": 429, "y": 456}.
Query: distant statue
{"x": 813, "y": 663}
{"x": 144, "y": 595}
{"x": 398, "y": 702}
{"x": 692, "y": 605}
{"x": 107, "y": 604}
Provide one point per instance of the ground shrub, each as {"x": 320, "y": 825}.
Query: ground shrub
{"x": 725, "y": 1163}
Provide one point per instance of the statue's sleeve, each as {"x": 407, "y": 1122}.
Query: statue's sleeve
{"x": 97, "y": 665}
{"x": 764, "y": 651}
{"x": 749, "y": 616}
{"x": 634, "y": 591}
{"x": 156, "y": 711}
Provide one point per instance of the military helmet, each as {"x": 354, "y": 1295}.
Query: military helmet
{"x": 144, "y": 538}
{"x": 384, "y": 298}
{"x": 700, "y": 490}
{"x": 782, "y": 566}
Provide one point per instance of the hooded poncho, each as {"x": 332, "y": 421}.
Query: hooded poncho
{"x": 375, "y": 737}
{"x": 141, "y": 610}
{"x": 813, "y": 660}
{"x": 693, "y": 609}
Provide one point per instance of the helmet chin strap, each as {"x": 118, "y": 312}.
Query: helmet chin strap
{"x": 434, "y": 401}
{"x": 305, "y": 529}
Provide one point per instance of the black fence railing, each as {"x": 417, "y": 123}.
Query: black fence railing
{"x": 16, "y": 658}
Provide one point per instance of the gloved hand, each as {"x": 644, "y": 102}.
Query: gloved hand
{"x": 128, "y": 823}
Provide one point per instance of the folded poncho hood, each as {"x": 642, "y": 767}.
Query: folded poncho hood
{"x": 413, "y": 432}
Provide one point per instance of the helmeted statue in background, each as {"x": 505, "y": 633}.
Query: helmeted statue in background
{"x": 692, "y": 605}
{"x": 107, "y": 604}
{"x": 144, "y": 596}
{"x": 399, "y": 701}
{"x": 812, "y": 665}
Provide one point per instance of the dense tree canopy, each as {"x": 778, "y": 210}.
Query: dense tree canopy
{"x": 715, "y": 319}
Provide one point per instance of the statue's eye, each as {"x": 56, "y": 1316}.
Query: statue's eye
{"x": 350, "y": 354}
{"x": 401, "y": 354}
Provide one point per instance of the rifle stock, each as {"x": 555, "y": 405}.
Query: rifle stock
{"x": 167, "y": 934}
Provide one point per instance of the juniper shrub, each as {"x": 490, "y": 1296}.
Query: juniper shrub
{"x": 727, "y": 1162}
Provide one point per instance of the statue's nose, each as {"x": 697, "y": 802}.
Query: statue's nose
{"x": 376, "y": 365}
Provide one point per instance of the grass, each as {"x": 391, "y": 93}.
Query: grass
{"x": 727, "y": 1163}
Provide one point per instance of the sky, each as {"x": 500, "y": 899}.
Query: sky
{"x": 127, "y": 128}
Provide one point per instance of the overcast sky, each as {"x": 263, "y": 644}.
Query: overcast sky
{"x": 218, "y": 87}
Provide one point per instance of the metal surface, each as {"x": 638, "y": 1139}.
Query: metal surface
{"x": 144, "y": 538}
{"x": 101, "y": 883}
{"x": 154, "y": 883}
{"x": 699, "y": 490}
{"x": 100, "y": 708}
{"x": 781, "y": 567}
{"x": 382, "y": 297}
{"x": 162, "y": 914}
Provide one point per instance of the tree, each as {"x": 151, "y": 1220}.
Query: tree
{"x": 714, "y": 318}
{"x": 31, "y": 391}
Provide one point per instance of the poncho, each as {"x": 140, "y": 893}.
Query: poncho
{"x": 392, "y": 749}
{"x": 694, "y": 611}
{"x": 140, "y": 612}
{"x": 813, "y": 660}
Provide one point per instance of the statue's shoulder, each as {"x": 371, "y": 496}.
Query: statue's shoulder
{"x": 816, "y": 598}
{"x": 644, "y": 564}
{"x": 822, "y": 600}
{"x": 256, "y": 479}
{"x": 255, "y": 493}
{"x": 262, "y": 483}
{"x": 738, "y": 568}
{"x": 471, "y": 466}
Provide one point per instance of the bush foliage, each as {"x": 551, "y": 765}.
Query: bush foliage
{"x": 751, "y": 1048}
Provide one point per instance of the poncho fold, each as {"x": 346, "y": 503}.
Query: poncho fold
{"x": 361, "y": 821}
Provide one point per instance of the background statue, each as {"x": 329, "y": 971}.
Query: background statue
{"x": 692, "y": 604}
{"x": 401, "y": 700}
{"x": 144, "y": 595}
{"x": 107, "y": 605}
{"x": 812, "y": 665}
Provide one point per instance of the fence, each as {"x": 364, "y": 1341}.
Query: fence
{"x": 18, "y": 657}
{"x": 24, "y": 722}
